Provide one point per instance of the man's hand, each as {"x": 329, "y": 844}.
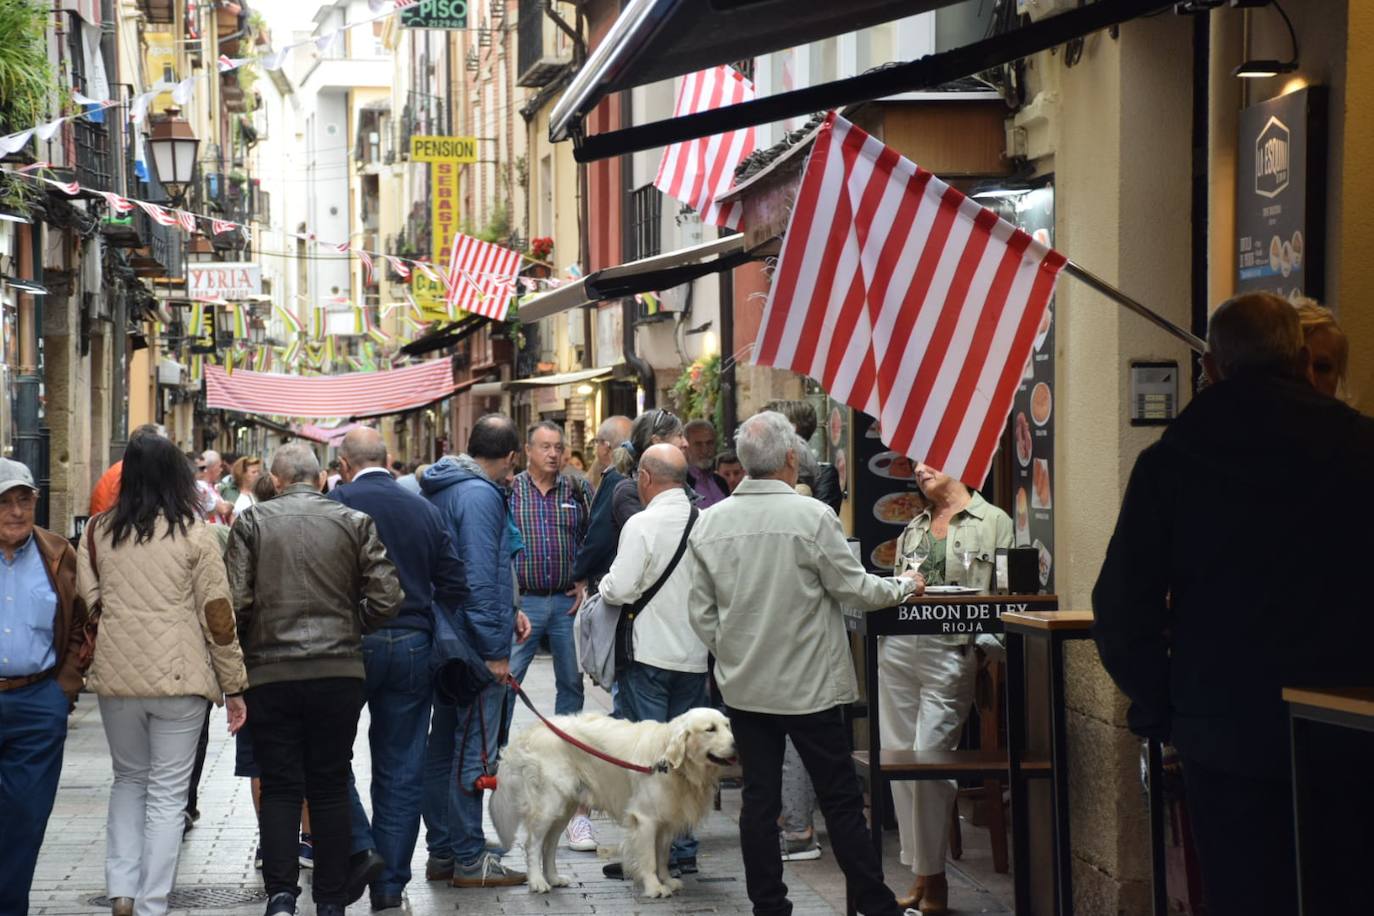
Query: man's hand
{"x": 500, "y": 668}
{"x": 522, "y": 627}
{"x": 920, "y": 581}
{"x": 237, "y": 713}
{"x": 578, "y": 593}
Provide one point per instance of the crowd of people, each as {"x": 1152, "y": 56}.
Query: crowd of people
{"x": 293, "y": 595}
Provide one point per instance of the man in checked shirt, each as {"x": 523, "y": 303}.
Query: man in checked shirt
{"x": 551, "y": 510}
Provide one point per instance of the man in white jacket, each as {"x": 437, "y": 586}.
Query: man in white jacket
{"x": 667, "y": 675}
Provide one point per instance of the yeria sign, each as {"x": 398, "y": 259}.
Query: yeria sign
{"x": 223, "y": 280}
{"x": 1272, "y": 158}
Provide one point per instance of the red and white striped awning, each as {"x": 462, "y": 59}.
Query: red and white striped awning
{"x": 356, "y": 394}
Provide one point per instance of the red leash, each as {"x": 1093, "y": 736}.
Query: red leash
{"x": 660, "y": 767}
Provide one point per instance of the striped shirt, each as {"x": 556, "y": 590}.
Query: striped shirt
{"x": 552, "y": 525}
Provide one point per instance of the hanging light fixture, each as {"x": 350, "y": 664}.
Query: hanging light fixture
{"x": 174, "y": 147}
{"x": 1262, "y": 69}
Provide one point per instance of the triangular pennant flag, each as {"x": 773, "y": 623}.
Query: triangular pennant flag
{"x": 13, "y": 143}
{"x": 158, "y": 215}
{"x": 118, "y": 204}
{"x": 138, "y": 111}
{"x": 399, "y": 266}
{"x": 182, "y": 93}
{"x": 220, "y": 226}
{"x": 187, "y": 220}
{"x": 46, "y": 131}
{"x": 367, "y": 265}
{"x": 70, "y": 188}
{"x": 227, "y": 63}
{"x": 276, "y": 59}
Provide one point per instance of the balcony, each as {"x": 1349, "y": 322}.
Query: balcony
{"x": 93, "y": 160}
{"x": 158, "y": 11}
{"x": 229, "y": 197}
{"x": 543, "y": 50}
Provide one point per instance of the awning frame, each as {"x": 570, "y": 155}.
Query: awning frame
{"x": 660, "y": 271}
{"x": 923, "y": 73}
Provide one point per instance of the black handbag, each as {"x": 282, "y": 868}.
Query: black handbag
{"x": 625, "y": 626}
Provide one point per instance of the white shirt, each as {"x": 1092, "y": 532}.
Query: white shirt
{"x": 663, "y": 635}
{"x": 372, "y": 470}
{"x": 243, "y": 502}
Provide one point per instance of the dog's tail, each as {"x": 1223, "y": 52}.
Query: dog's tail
{"x": 506, "y": 804}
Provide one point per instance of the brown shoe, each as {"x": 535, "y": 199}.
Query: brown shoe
{"x": 438, "y": 869}
{"x": 935, "y": 898}
{"x": 487, "y": 871}
{"x": 121, "y": 906}
{"x": 918, "y": 890}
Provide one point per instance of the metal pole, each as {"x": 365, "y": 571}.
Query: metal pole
{"x": 1111, "y": 292}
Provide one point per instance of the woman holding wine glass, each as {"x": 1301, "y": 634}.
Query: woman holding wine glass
{"x": 925, "y": 683}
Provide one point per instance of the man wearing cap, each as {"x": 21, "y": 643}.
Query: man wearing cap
{"x": 41, "y": 620}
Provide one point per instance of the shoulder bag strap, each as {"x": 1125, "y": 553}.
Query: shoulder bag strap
{"x": 648, "y": 596}
{"x": 90, "y": 547}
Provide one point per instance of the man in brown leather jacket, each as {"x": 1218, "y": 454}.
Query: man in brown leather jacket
{"x": 309, "y": 577}
{"x": 41, "y": 620}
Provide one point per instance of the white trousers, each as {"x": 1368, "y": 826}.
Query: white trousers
{"x": 925, "y": 691}
{"x": 153, "y": 749}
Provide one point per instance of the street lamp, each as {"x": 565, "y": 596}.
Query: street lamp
{"x": 174, "y": 153}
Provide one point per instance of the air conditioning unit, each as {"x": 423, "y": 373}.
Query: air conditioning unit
{"x": 169, "y": 372}
{"x": 543, "y": 49}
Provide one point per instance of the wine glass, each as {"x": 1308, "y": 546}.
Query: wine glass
{"x": 966, "y": 549}
{"x": 919, "y": 552}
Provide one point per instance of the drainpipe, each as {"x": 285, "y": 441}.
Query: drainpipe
{"x": 727, "y": 349}
{"x": 1202, "y": 52}
{"x": 30, "y": 437}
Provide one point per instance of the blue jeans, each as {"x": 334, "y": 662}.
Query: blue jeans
{"x": 397, "y": 691}
{"x": 649, "y": 694}
{"x": 453, "y": 761}
{"x": 550, "y": 615}
{"x": 33, "y": 728}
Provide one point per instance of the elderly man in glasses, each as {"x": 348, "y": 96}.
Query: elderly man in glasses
{"x": 41, "y": 624}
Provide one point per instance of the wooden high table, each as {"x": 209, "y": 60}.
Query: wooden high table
{"x": 948, "y": 616}
{"x": 1309, "y": 710}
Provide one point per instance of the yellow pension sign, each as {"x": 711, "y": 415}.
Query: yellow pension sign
{"x": 426, "y": 148}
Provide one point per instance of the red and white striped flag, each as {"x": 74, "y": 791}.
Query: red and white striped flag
{"x": 187, "y": 220}
{"x": 220, "y": 226}
{"x": 117, "y": 204}
{"x": 696, "y": 172}
{"x": 367, "y": 264}
{"x": 399, "y": 266}
{"x": 70, "y": 188}
{"x": 907, "y": 300}
{"x": 481, "y": 277}
{"x": 158, "y": 214}
{"x": 227, "y": 63}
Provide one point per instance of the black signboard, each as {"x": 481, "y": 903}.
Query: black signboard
{"x": 1281, "y": 195}
{"x": 1033, "y": 407}
{"x": 436, "y": 14}
{"x": 951, "y": 616}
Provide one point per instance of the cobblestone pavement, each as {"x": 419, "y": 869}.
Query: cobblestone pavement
{"x": 216, "y": 859}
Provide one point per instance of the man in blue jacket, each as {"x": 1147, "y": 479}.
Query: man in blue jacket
{"x": 396, "y": 659}
{"x": 469, "y": 492}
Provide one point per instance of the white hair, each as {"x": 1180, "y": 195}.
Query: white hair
{"x": 295, "y": 463}
{"x": 763, "y": 442}
{"x": 807, "y": 467}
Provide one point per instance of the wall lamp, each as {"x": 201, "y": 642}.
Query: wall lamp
{"x": 32, "y": 287}
{"x": 1262, "y": 69}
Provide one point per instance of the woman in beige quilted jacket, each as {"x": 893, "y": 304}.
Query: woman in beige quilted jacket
{"x": 167, "y": 644}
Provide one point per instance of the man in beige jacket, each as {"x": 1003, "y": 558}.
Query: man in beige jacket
{"x": 771, "y": 572}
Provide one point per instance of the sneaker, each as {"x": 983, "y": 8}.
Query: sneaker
{"x": 684, "y": 866}
{"x": 283, "y": 904}
{"x": 579, "y": 836}
{"x": 257, "y": 858}
{"x": 363, "y": 868}
{"x": 799, "y": 849}
{"x": 438, "y": 869}
{"x": 487, "y": 871}
{"x": 306, "y": 856}
{"x": 329, "y": 909}
{"x": 616, "y": 870}
{"x": 188, "y": 822}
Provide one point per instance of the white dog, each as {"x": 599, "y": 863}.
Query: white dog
{"x": 544, "y": 778}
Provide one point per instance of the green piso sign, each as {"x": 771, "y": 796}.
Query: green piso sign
{"x": 436, "y": 14}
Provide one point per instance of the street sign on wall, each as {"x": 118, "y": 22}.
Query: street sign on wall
{"x": 223, "y": 280}
{"x": 436, "y": 14}
{"x": 427, "y": 148}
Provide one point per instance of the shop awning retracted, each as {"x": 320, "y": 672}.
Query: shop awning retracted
{"x": 656, "y": 39}
{"x": 559, "y": 378}
{"x": 663, "y": 271}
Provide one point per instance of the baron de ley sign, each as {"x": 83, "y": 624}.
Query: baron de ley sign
{"x": 947, "y": 616}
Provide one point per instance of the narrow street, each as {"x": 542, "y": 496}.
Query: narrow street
{"x": 216, "y": 873}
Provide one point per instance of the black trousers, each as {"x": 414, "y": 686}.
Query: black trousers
{"x": 823, "y": 744}
{"x": 303, "y": 735}
{"x": 203, "y": 745}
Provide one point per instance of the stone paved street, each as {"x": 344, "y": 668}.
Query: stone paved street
{"x": 216, "y": 858}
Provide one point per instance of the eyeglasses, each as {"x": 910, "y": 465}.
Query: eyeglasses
{"x": 24, "y": 501}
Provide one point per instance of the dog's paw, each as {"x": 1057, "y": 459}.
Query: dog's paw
{"x": 673, "y": 885}
{"x": 560, "y": 881}
{"x": 540, "y": 886}
{"x": 655, "y": 889}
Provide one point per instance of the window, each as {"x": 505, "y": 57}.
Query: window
{"x": 546, "y": 226}
{"x": 647, "y": 218}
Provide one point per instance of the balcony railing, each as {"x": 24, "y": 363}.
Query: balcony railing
{"x": 94, "y": 162}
